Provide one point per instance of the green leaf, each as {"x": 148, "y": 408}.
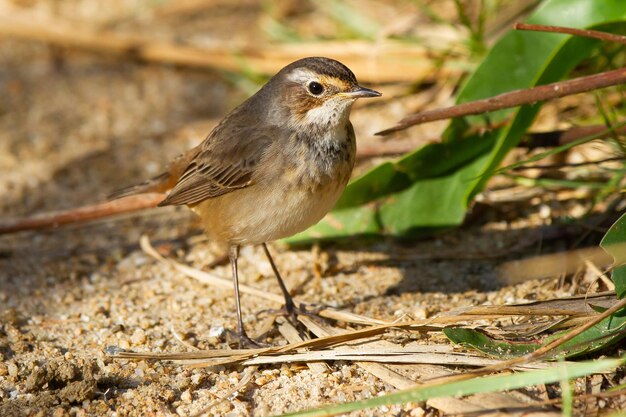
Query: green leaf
{"x": 474, "y": 339}
{"x": 492, "y": 383}
{"x": 608, "y": 331}
{"x": 435, "y": 199}
{"x": 433, "y": 186}
{"x": 431, "y": 161}
{"x": 614, "y": 243}
{"x": 361, "y": 221}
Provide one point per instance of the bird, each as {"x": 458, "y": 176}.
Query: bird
{"x": 273, "y": 167}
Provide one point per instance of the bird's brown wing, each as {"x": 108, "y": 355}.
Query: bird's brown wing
{"x": 226, "y": 162}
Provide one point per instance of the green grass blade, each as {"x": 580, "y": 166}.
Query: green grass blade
{"x": 614, "y": 243}
{"x": 493, "y": 383}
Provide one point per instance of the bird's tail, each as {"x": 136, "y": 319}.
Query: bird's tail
{"x": 159, "y": 184}
{"x": 162, "y": 182}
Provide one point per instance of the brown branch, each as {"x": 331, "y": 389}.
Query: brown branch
{"x": 515, "y": 98}
{"x": 80, "y": 214}
{"x": 605, "y": 36}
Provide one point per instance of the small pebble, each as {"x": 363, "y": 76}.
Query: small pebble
{"x": 138, "y": 337}
{"x": 124, "y": 345}
{"x": 12, "y": 368}
{"x": 59, "y": 412}
{"x": 186, "y": 397}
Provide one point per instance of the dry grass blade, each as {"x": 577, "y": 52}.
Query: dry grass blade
{"x": 388, "y": 61}
{"x": 378, "y": 370}
{"x": 574, "y": 306}
{"x": 328, "y": 336}
{"x": 551, "y": 265}
{"x": 377, "y": 355}
{"x": 290, "y": 333}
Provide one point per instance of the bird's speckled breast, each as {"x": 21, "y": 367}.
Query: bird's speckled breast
{"x": 296, "y": 197}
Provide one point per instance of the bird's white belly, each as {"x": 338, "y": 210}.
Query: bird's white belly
{"x": 287, "y": 213}
{"x": 258, "y": 214}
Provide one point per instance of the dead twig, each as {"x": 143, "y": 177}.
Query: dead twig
{"x": 80, "y": 214}
{"x": 561, "y": 137}
{"x": 585, "y": 33}
{"x": 570, "y": 164}
{"x": 514, "y": 98}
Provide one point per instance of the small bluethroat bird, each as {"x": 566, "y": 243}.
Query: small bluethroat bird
{"x": 272, "y": 167}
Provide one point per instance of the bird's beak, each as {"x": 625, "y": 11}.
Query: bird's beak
{"x": 361, "y": 92}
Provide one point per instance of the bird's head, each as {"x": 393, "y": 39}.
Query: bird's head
{"x": 319, "y": 91}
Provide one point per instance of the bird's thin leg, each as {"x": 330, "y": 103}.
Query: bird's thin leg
{"x": 244, "y": 340}
{"x": 290, "y": 306}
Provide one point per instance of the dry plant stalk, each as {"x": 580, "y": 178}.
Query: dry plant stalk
{"x": 550, "y": 265}
{"x": 386, "y": 61}
{"x": 585, "y": 33}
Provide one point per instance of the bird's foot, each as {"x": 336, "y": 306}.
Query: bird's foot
{"x": 246, "y": 342}
{"x": 291, "y": 311}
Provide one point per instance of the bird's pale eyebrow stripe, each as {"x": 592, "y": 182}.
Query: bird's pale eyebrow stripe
{"x": 301, "y": 74}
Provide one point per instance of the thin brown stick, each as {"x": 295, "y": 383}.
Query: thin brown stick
{"x": 562, "y": 137}
{"x": 570, "y": 164}
{"x": 515, "y": 98}
{"x": 80, "y": 214}
{"x": 585, "y": 33}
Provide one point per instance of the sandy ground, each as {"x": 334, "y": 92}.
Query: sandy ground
{"x": 73, "y": 128}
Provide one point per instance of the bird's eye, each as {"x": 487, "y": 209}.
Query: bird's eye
{"x": 316, "y": 88}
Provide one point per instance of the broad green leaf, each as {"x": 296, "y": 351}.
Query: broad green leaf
{"x": 614, "y": 243}
{"x": 608, "y": 331}
{"x": 437, "y": 198}
{"x": 360, "y": 221}
{"x": 492, "y": 383}
{"x": 431, "y": 161}
{"x": 405, "y": 191}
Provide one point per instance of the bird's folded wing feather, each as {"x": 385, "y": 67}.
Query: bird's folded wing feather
{"x": 226, "y": 162}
